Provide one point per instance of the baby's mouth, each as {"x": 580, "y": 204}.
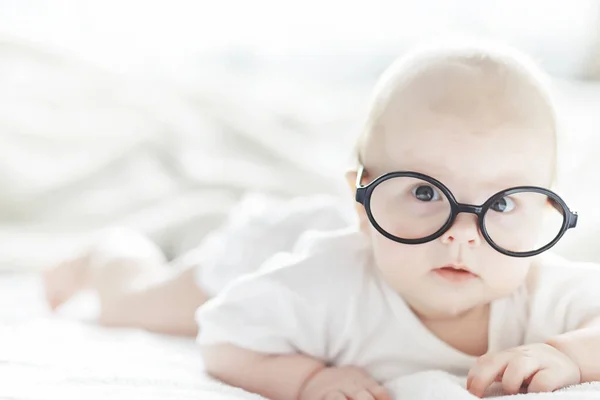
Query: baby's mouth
{"x": 455, "y": 273}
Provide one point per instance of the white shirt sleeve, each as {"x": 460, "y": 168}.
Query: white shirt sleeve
{"x": 258, "y": 227}
{"x": 563, "y": 295}
{"x": 283, "y": 308}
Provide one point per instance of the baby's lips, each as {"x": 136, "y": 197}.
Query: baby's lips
{"x": 458, "y": 267}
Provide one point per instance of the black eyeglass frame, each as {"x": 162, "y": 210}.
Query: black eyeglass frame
{"x": 363, "y": 196}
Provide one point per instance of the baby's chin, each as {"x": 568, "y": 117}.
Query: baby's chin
{"x": 444, "y": 304}
{"x": 447, "y": 310}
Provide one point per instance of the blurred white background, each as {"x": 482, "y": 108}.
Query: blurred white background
{"x": 159, "y": 115}
{"x": 160, "y": 37}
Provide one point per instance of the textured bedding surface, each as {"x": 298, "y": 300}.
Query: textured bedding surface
{"x": 47, "y": 356}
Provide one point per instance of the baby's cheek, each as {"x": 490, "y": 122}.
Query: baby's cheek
{"x": 400, "y": 264}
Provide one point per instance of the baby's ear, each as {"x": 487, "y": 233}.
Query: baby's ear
{"x": 351, "y": 180}
{"x": 360, "y": 209}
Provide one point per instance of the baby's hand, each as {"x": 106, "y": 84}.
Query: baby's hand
{"x": 345, "y": 383}
{"x": 539, "y": 366}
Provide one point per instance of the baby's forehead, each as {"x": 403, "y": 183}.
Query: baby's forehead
{"x": 499, "y": 158}
{"x": 464, "y": 85}
{"x": 462, "y": 101}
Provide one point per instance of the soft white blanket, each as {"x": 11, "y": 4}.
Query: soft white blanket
{"x": 82, "y": 148}
{"x": 434, "y": 385}
{"x": 45, "y": 357}
{"x": 48, "y": 357}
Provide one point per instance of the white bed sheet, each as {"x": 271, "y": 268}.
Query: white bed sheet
{"x": 45, "y": 356}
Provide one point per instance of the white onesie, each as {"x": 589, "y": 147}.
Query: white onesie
{"x": 324, "y": 299}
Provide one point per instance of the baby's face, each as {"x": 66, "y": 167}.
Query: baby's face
{"x": 475, "y": 157}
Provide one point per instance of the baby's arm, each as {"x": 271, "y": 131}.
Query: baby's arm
{"x": 583, "y": 347}
{"x": 562, "y": 343}
{"x": 278, "y": 377}
{"x": 268, "y": 332}
{"x": 289, "y": 377}
{"x": 563, "y": 360}
{"x": 577, "y": 304}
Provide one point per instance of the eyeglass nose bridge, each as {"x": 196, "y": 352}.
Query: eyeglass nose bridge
{"x": 469, "y": 208}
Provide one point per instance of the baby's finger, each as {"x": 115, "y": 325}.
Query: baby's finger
{"x": 362, "y": 395}
{"x": 335, "y": 396}
{"x": 547, "y": 380}
{"x": 485, "y": 371}
{"x": 518, "y": 370}
{"x": 380, "y": 393}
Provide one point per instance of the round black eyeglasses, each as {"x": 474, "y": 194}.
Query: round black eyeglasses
{"x": 413, "y": 208}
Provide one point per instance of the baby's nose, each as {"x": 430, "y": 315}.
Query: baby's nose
{"x": 465, "y": 229}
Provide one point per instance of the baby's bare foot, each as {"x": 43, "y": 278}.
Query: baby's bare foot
{"x": 113, "y": 260}
{"x": 66, "y": 279}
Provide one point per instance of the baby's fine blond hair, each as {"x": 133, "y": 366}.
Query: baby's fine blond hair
{"x": 467, "y": 77}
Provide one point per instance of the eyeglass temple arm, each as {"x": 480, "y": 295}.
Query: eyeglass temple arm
{"x": 572, "y": 219}
{"x": 359, "y": 176}
{"x": 359, "y": 197}
{"x": 571, "y": 216}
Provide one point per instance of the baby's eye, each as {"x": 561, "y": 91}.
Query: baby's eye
{"x": 503, "y": 205}
{"x": 426, "y": 193}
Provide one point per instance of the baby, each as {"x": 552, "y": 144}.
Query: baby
{"x": 446, "y": 269}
